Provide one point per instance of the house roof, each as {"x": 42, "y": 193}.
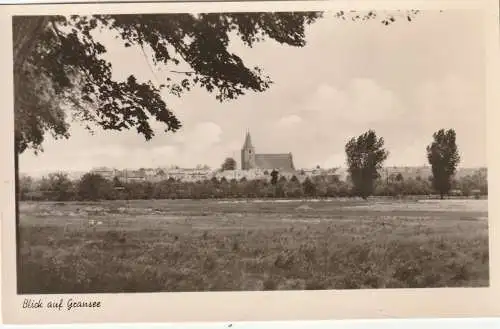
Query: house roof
{"x": 275, "y": 161}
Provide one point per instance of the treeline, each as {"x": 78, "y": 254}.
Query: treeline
{"x": 58, "y": 187}
{"x": 365, "y": 157}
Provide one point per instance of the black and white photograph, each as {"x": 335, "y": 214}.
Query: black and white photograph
{"x": 240, "y": 151}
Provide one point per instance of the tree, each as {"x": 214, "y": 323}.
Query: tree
{"x": 443, "y": 156}
{"x": 25, "y": 186}
{"x": 294, "y": 188}
{"x": 365, "y": 156}
{"x": 274, "y": 177}
{"x": 214, "y": 181}
{"x": 309, "y": 187}
{"x": 94, "y": 187}
{"x": 481, "y": 180}
{"x": 59, "y": 67}
{"x": 229, "y": 164}
{"x": 252, "y": 188}
{"x": 116, "y": 182}
{"x": 60, "y": 187}
{"x": 466, "y": 185}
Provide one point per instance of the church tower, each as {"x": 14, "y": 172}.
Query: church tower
{"x": 247, "y": 154}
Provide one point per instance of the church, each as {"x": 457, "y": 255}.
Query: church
{"x": 251, "y": 160}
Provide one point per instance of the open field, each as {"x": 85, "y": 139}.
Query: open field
{"x": 216, "y": 245}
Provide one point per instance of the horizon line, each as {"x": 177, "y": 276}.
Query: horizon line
{"x": 217, "y": 168}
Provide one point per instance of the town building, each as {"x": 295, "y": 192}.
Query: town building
{"x": 282, "y": 162}
{"x": 108, "y": 173}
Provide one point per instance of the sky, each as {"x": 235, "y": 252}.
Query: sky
{"x": 405, "y": 81}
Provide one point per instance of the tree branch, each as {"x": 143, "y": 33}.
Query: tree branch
{"x": 183, "y": 72}
{"x": 56, "y": 30}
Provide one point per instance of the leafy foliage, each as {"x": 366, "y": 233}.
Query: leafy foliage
{"x": 59, "y": 69}
{"x": 309, "y": 187}
{"x": 274, "y": 177}
{"x": 387, "y": 18}
{"x": 94, "y": 187}
{"x": 25, "y": 186}
{"x": 58, "y": 186}
{"x": 365, "y": 156}
{"x": 229, "y": 164}
{"x": 475, "y": 184}
{"x": 443, "y": 156}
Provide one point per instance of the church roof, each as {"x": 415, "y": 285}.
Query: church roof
{"x": 248, "y": 142}
{"x": 275, "y": 161}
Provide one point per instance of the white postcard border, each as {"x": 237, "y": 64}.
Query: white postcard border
{"x": 252, "y": 306}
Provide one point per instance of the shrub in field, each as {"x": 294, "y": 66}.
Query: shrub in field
{"x": 25, "y": 187}
{"x": 407, "y": 187}
{"x": 58, "y": 187}
{"x": 94, "y": 187}
{"x": 472, "y": 185}
{"x": 309, "y": 188}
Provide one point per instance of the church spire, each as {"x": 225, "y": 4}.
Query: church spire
{"x": 248, "y": 141}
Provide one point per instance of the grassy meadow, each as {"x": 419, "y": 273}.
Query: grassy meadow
{"x": 222, "y": 245}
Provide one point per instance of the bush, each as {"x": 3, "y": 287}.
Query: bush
{"x": 57, "y": 187}
{"x": 94, "y": 187}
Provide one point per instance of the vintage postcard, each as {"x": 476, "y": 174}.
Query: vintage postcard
{"x": 241, "y": 161}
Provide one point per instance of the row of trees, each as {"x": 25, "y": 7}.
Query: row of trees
{"x": 57, "y": 187}
{"x": 366, "y": 155}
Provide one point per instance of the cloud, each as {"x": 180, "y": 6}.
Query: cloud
{"x": 453, "y": 102}
{"x": 334, "y": 160}
{"x": 331, "y": 114}
{"x": 202, "y": 135}
{"x": 360, "y": 97}
{"x": 401, "y": 81}
{"x": 163, "y": 152}
{"x": 325, "y": 98}
{"x": 289, "y": 121}
{"x": 121, "y": 156}
{"x": 108, "y": 151}
{"x": 449, "y": 100}
{"x": 334, "y": 114}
